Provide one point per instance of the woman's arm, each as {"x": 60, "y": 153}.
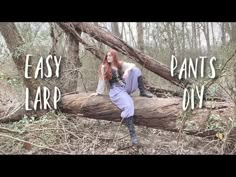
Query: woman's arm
{"x": 101, "y": 82}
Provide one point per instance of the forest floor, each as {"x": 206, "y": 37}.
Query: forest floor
{"x": 57, "y": 133}
{"x": 62, "y": 134}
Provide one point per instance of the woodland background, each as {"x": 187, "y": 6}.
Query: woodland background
{"x": 149, "y": 46}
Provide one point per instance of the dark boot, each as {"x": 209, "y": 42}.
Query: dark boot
{"x": 130, "y": 124}
{"x": 142, "y": 90}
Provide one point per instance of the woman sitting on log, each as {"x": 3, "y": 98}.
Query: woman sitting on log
{"x": 122, "y": 78}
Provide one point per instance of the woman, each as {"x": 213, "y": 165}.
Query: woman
{"x": 123, "y": 79}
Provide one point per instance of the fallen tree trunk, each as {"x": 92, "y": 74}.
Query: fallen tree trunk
{"x": 114, "y": 42}
{"x": 159, "y": 113}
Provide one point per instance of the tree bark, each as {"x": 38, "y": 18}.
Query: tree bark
{"x": 159, "y": 113}
{"x": 72, "y": 63}
{"x": 118, "y": 44}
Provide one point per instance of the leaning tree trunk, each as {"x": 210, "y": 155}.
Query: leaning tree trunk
{"x": 71, "y": 30}
{"x": 159, "y": 113}
{"x": 15, "y": 44}
{"x": 121, "y": 46}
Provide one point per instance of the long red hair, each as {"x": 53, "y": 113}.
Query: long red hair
{"x": 107, "y": 66}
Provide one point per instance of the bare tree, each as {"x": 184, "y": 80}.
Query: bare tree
{"x": 139, "y": 27}
{"x": 132, "y": 40}
{"x": 205, "y": 29}
{"x": 122, "y": 30}
{"x": 183, "y": 40}
{"x": 213, "y": 35}
{"x": 16, "y": 45}
{"x": 115, "y": 29}
{"x": 230, "y": 139}
{"x": 159, "y": 36}
{"x": 70, "y": 62}
{"x": 222, "y": 26}
{"x": 233, "y": 32}
{"x": 199, "y": 36}
{"x": 230, "y": 29}
{"x": 176, "y": 38}
{"x": 124, "y": 33}
{"x": 194, "y": 43}
{"x": 73, "y": 63}
{"x": 188, "y": 37}
{"x": 170, "y": 39}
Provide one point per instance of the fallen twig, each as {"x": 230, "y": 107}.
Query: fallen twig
{"x": 9, "y": 130}
{"x": 23, "y": 141}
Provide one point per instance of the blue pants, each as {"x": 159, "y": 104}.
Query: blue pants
{"x": 120, "y": 95}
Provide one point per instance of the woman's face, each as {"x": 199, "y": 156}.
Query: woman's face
{"x": 109, "y": 57}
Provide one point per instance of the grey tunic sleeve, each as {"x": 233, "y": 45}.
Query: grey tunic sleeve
{"x": 101, "y": 82}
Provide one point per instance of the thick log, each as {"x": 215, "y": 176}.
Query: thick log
{"x": 159, "y": 113}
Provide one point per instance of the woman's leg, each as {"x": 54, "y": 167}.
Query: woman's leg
{"x": 130, "y": 124}
{"x": 134, "y": 81}
{"x": 125, "y": 103}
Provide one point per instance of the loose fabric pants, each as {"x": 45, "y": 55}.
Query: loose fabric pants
{"x": 120, "y": 95}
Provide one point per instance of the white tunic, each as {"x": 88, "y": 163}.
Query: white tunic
{"x": 102, "y": 83}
